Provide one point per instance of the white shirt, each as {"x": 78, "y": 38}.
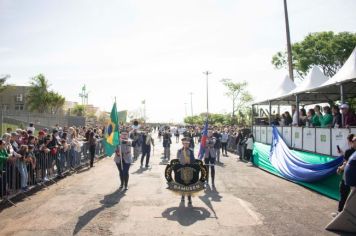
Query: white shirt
{"x": 295, "y": 119}
{"x": 224, "y": 137}
{"x": 249, "y": 143}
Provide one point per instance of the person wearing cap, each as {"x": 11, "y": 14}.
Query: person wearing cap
{"x": 210, "y": 156}
{"x": 123, "y": 159}
{"x": 31, "y": 127}
{"x": 348, "y": 117}
{"x": 147, "y": 141}
{"x": 186, "y": 156}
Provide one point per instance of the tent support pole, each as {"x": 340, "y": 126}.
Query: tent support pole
{"x": 342, "y": 102}
{"x": 252, "y": 117}
{"x": 270, "y": 112}
{"x": 297, "y": 107}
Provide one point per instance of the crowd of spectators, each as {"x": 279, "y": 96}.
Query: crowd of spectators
{"x": 325, "y": 117}
{"x": 30, "y": 157}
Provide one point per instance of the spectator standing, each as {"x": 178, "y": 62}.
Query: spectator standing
{"x": 349, "y": 117}
{"x": 337, "y": 119}
{"x": 224, "y": 139}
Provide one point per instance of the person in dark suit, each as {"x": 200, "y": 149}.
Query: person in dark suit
{"x": 147, "y": 141}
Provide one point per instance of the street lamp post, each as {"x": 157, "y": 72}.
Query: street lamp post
{"x": 191, "y": 103}
{"x": 207, "y": 73}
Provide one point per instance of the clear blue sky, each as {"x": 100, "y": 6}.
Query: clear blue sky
{"x": 157, "y": 50}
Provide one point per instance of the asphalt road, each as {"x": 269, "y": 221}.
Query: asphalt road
{"x": 246, "y": 201}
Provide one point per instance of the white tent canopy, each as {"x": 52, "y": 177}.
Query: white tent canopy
{"x": 313, "y": 80}
{"x": 312, "y": 93}
{"x": 346, "y": 73}
{"x": 283, "y": 89}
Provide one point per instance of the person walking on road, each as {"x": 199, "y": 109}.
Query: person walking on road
{"x": 224, "y": 139}
{"x": 146, "y": 147}
{"x": 210, "y": 156}
{"x": 123, "y": 159}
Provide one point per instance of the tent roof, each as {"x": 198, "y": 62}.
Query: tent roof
{"x": 284, "y": 88}
{"x": 313, "y": 80}
{"x": 346, "y": 73}
{"x": 327, "y": 91}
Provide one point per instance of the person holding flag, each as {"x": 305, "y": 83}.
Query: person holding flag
{"x": 207, "y": 151}
{"x": 123, "y": 159}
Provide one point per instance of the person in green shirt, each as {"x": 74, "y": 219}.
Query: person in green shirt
{"x": 3, "y": 158}
{"x": 326, "y": 120}
{"x": 313, "y": 118}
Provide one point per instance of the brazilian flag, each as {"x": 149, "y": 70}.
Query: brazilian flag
{"x": 112, "y": 133}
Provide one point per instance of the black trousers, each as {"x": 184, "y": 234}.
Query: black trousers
{"x": 224, "y": 148}
{"x": 124, "y": 173}
{"x": 146, "y": 153}
{"x": 248, "y": 155}
{"x": 2, "y": 183}
{"x": 344, "y": 193}
{"x": 92, "y": 154}
{"x": 211, "y": 161}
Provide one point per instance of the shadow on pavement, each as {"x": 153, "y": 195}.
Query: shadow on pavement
{"x": 140, "y": 170}
{"x": 109, "y": 200}
{"x": 211, "y": 195}
{"x": 186, "y": 216}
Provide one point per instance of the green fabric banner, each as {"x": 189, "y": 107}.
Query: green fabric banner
{"x": 328, "y": 186}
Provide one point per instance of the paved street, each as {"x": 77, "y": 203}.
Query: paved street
{"x": 247, "y": 201}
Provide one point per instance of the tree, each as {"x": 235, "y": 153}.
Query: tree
{"x": 3, "y": 79}
{"x": 42, "y": 100}
{"x": 37, "y": 99}
{"x": 238, "y": 93}
{"x": 79, "y": 110}
{"x": 327, "y": 50}
{"x": 55, "y": 101}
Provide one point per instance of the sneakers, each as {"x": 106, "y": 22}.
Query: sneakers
{"x": 126, "y": 188}
{"x": 334, "y": 214}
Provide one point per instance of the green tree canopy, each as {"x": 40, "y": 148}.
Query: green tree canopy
{"x": 3, "y": 79}
{"x": 238, "y": 93}
{"x": 42, "y": 100}
{"x": 79, "y": 110}
{"x": 327, "y": 50}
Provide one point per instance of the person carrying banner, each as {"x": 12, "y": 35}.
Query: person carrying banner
{"x": 186, "y": 156}
{"x": 123, "y": 159}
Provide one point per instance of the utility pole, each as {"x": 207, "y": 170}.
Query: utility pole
{"x": 207, "y": 73}
{"x": 289, "y": 47}
{"x": 191, "y": 103}
{"x": 185, "y": 105}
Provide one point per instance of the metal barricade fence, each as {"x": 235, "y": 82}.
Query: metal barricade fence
{"x": 18, "y": 176}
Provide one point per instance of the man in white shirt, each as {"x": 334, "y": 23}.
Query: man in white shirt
{"x": 224, "y": 139}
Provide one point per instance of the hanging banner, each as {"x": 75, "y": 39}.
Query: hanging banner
{"x": 338, "y": 137}
{"x": 258, "y": 133}
{"x": 287, "y": 135}
{"x": 323, "y": 138}
{"x": 263, "y": 134}
{"x": 297, "y": 137}
{"x": 309, "y": 139}
{"x": 269, "y": 134}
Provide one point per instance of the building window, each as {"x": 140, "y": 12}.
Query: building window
{"x": 5, "y": 107}
{"x": 19, "y": 97}
{"x": 19, "y": 107}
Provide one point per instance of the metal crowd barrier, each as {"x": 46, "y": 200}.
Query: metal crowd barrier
{"x": 18, "y": 176}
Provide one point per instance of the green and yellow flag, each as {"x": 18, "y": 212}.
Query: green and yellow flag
{"x": 112, "y": 133}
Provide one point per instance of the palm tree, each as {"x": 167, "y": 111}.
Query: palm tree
{"x": 37, "y": 99}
